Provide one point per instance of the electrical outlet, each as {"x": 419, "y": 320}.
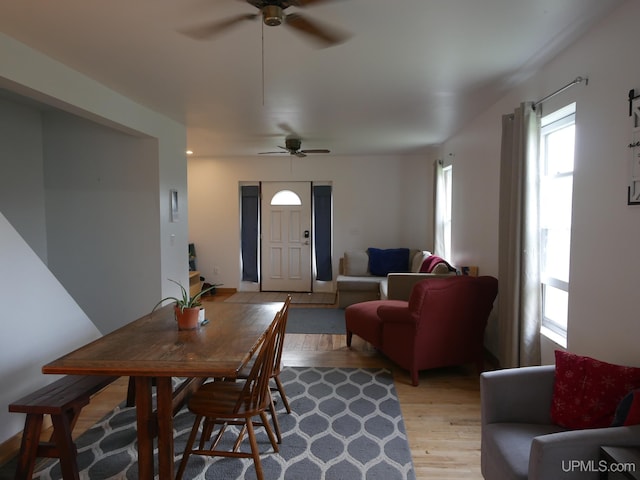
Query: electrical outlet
{"x": 216, "y": 270}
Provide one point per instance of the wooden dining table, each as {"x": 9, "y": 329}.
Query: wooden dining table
{"x": 152, "y": 351}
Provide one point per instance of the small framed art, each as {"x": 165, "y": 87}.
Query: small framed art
{"x": 174, "y": 206}
{"x": 633, "y": 192}
{"x": 633, "y": 188}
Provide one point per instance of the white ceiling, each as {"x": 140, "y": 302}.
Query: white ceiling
{"x": 410, "y": 75}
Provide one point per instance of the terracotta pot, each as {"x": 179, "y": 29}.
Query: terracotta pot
{"x": 187, "y": 318}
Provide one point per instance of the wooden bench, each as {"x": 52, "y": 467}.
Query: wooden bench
{"x": 63, "y": 400}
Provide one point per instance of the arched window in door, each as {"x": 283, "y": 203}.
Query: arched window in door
{"x": 286, "y": 197}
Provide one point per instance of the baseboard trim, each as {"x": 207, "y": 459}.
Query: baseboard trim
{"x": 226, "y": 291}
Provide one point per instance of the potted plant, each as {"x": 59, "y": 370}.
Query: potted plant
{"x": 187, "y": 308}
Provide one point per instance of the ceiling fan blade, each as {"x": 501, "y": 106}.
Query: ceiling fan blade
{"x": 304, "y": 3}
{"x": 323, "y": 35}
{"x": 299, "y": 154}
{"x": 211, "y": 29}
{"x": 287, "y": 128}
{"x": 322, "y": 150}
{"x": 268, "y": 153}
{"x": 279, "y": 146}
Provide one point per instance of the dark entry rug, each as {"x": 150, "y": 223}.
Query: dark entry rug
{"x": 345, "y": 424}
{"x": 318, "y": 298}
{"x": 316, "y": 320}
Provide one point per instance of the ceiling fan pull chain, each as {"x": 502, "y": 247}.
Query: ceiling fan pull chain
{"x": 263, "y": 64}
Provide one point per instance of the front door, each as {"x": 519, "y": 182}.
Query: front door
{"x": 286, "y": 236}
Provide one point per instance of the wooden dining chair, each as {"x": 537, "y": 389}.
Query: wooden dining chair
{"x": 275, "y": 371}
{"x": 277, "y": 365}
{"x": 226, "y": 403}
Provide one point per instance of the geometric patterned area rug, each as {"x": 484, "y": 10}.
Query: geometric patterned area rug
{"x": 345, "y": 423}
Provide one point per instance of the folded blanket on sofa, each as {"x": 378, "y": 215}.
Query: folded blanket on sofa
{"x": 435, "y": 264}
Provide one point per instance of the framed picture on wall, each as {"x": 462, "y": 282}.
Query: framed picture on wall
{"x": 633, "y": 193}
{"x": 633, "y": 188}
{"x": 175, "y": 207}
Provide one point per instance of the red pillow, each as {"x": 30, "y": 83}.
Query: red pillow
{"x": 587, "y": 392}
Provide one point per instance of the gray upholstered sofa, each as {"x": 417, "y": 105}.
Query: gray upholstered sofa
{"x": 519, "y": 440}
{"x": 356, "y": 283}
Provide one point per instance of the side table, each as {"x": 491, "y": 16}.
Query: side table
{"x": 619, "y": 463}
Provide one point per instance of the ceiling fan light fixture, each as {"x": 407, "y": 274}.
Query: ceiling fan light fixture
{"x": 272, "y": 15}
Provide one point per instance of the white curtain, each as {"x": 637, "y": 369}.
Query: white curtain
{"x": 519, "y": 303}
{"x": 439, "y": 203}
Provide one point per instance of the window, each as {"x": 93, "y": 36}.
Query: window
{"x": 446, "y": 221}
{"x": 286, "y": 197}
{"x": 557, "y": 143}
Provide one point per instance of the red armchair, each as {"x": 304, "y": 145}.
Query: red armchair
{"x": 441, "y": 325}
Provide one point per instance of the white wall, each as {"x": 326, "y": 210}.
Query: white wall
{"x": 40, "y": 322}
{"x": 49, "y": 321}
{"x": 22, "y": 202}
{"x": 603, "y": 309}
{"x": 378, "y": 202}
{"x": 100, "y": 187}
{"x": 31, "y": 73}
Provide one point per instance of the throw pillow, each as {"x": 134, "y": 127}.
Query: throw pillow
{"x": 391, "y": 260}
{"x": 418, "y": 260}
{"x": 628, "y": 412}
{"x": 356, "y": 263}
{"x": 586, "y": 392}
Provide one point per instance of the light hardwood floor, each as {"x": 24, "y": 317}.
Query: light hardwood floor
{"x": 441, "y": 415}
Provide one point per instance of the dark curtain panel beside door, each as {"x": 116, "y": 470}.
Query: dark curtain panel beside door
{"x": 249, "y": 232}
{"x": 322, "y": 231}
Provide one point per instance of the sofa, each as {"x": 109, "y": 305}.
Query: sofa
{"x": 358, "y": 282}
{"x": 441, "y": 325}
{"x": 526, "y": 436}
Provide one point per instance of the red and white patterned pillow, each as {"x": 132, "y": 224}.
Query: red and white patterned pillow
{"x": 587, "y": 392}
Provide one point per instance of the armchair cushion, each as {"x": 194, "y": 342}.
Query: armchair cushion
{"x": 588, "y": 391}
{"x": 363, "y": 319}
{"x": 509, "y": 446}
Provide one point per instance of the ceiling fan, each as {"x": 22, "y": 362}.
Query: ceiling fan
{"x": 272, "y": 12}
{"x": 292, "y": 145}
